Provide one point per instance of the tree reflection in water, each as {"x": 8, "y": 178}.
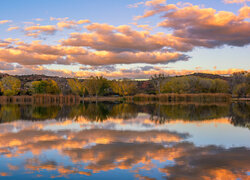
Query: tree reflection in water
{"x": 239, "y": 113}
{"x": 109, "y": 139}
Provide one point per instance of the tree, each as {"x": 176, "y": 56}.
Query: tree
{"x": 192, "y": 84}
{"x": 94, "y": 85}
{"x": 1, "y": 86}
{"x": 10, "y": 86}
{"x": 45, "y": 87}
{"x": 52, "y": 87}
{"x": 220, "y": 86}
{"x": 123, "y": 87}
{"x": 76, "y": 86}
{"x": 242, "y": 90}
{"x": 204, "y": 85}
{"x": 158, "y": 81}
{"x": 239, "y": 78}
{"x": 176, "y": 85}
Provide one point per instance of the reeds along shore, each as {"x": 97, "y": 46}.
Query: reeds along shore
{"x": 172, "y": 97}
{"x": 72, "y": 99}
{"x": 40, "y": 99}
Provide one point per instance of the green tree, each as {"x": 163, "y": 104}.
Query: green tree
{"x": 45, "y": 87}
{"x": 205, "y": 85}
{"x": 123, "y": 87}
{"x": 10, "y": 112}
{"x": 10, "y": 86}
{"x": 239, "y": 78}
{"x": 95, "y": 85}
{"x": 220, "y": 86}
{"x": 242, "y": 90}
{"x": 76, "y": 86}
{"x": 158, "y": 81}
{"x": 176, "y": 85}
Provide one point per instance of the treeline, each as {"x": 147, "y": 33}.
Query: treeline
{"x": 93, "y": 86}
{"x": 238, "y": 85}
{"x": 238, "y": 113}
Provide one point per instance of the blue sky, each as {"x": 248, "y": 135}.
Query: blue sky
{"x": 228, "y": 53}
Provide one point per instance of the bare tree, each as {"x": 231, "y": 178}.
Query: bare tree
{"x": 158, "y": 80}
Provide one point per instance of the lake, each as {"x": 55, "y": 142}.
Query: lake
{"x": 125, "y": 141}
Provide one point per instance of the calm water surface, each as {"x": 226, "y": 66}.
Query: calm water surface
{"x": 125, "y": 141}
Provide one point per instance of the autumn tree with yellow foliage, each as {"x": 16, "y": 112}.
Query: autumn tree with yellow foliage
{"x": 45, "y": 87}
{"x": 10, "y": 86}
{"x": 76, "y": 86}
{"x": 123, "y": 87}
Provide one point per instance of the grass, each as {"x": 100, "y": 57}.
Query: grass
{"x": 160, "y": 98}
{"x": 172, "y": 97}
{"x": 40, "y": 99}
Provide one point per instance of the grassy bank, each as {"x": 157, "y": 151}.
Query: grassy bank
{"x": 40, "y": 99}
{"x": 241, "y": 99}
{"x": 202, "y": 97}
{"x": 144, "y": 98}
{"x": 102, "y": 98}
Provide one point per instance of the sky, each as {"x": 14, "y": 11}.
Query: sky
{"x": 124, "y": 38}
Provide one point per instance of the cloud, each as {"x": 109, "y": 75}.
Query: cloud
{"x": 38, "y": 30}
{"x": 4, "y": 43}
{"x": 104, "y": 68}
{"x": 71, "y": 24}
{"x": 111, "y": 72}
{"x": 6, "y": 66}
{"x": 235, "y": 1}
{"x": 13, "y": 55}
{"x": 244, "y": 12}
{"x": 94, "y": 150}
{"x": 155, "y": 2}
{"x": 204, "y": 27}
{"x": 135, "y": 5}
{"x": 38, "y": 19}
{"x": 209, "y": 162}
{"x": 123, "y": 38}
{"x": 58, "y": 19}
{"x": 188, "y": 27}
{"x": 63, "y": 23}
{"x": 145, "y": 27}
{"x": 12, "y": 28}
{"x": 5, "y": 21}
{"x": 147, "y": 3}
{"x": 129, "y": 51}
{"x": 105, "y": 57}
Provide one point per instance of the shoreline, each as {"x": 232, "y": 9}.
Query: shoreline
{"x": 139, "y": 98}
{"x": 241, "y": 99}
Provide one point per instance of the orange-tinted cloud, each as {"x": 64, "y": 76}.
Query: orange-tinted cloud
{"x": 204, "y": 26}
{"x": 155, "y": 2}
{"x": 12, "y": 28}
{"x": 4, "y": 43}
{"x": 5, "y": 21}
{"x": 113, "y": 72}
{"x": 6, "y": 66}
{"x": 105, "y": 44}
{"x": 37, "y": 30}
{"x": 92, "y": 149}
{"x": 209, "y": 162}
{"x": 235, "y": 1}
{"x": 124, "y": 38}
{"x": 71, "y": 24}
{"x": 36, "y": 53}
{"x": 147, "y": 3}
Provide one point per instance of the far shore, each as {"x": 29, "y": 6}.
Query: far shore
{"x": 140, "y": 98}
{"x": 241, "y": 99}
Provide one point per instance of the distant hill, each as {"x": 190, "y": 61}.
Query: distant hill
{"x": 211, "y": 76}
